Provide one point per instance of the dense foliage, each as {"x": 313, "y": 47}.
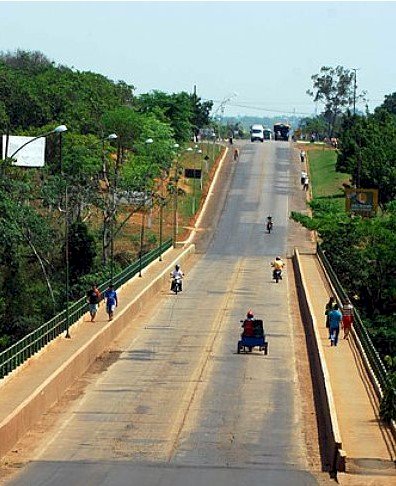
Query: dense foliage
{"x": 36, "y": 96}
{"x": 368, "y": 152}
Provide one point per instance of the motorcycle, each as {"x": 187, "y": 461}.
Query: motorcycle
{"x": 176, "y": 285}
{"x": 277, "y": 275}
{"x": 270, "y": 224}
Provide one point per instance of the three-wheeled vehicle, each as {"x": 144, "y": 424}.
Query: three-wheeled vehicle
{"x": 252, "y": 336}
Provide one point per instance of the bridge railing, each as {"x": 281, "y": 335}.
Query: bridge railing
{"x": 375, "y": 361}
{"x": 23, "y": 349}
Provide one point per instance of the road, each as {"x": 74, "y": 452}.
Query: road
{"x": 180, "y": 407}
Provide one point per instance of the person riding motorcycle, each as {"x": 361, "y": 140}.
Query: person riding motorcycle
{"x": 278, "y": 266}
{"x": 177, "y": 276}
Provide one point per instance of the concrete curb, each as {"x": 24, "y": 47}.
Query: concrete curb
{"x": 336, "y": 456}
{"x": 49, "y": 392}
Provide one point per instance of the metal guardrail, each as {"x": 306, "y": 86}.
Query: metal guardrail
{"x": 19, "y": 352}
{"x": 376, "y": 363}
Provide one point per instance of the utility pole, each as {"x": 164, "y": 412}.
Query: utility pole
{"x": 354, "y": 92}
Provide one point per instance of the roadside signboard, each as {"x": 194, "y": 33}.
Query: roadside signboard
{"x": 361, "y": 201}
{"x": 192, "y": 173}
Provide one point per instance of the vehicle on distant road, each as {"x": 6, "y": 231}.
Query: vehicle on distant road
{"x": 257, "y": 133}
{"x": 267, "y": 134}
{"x": 281, "y": 131}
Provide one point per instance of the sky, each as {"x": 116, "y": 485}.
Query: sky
{"x": 257, "y": 57}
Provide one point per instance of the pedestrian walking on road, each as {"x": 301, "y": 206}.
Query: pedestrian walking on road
{"x": 335, "y": 319}
{"x": 304, "y": 175}
{"x": 306, "y": 184}
{"x": 347, "y": 318}
{"x": 329, "y": 306}
{"x": 302, "y": 156}
{"x": 111, "y": 301}
{"x": 93, "y": 299}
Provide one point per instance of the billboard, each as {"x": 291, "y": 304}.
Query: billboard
{"x": 30, "y": 156}
{"x": 193, "y": 173}
{"x": 361, "y": 201}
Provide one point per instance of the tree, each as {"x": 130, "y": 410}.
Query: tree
{"x": 389, "y": 104}
{"x": 82, "y": 250}
{"x": 176, "y": 109}
{"x": 368, "y": 152}
{"x": 201, "y": 113}
{"x": 335, "y": 88}
{"x": 27, "y": 61}
{"x": 315, "y": 125}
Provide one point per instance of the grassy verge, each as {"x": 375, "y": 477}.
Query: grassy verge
{"x": 326, "y": 182}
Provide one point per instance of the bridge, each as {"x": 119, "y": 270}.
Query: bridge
{"x": 160, "y": 396}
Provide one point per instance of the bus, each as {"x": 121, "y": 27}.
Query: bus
{"x": 281, "y": 131}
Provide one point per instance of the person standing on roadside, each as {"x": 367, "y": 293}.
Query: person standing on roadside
{"x": 93, "y": 299}
{"x": 347, "y": 318}
{"x": 335, "y": 319}
{"x": 111, "y": 301}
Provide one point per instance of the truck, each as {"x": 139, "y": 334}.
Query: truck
{"x": 257, "y": 133}
{"x": 281, "y": 131}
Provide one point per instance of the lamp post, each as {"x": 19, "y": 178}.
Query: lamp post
{"x": 162, "y": 202}
{"x": 196, "y": 150}
{"x": 149, "y": 141}
{"x": 112, "y": 136}
{"x": 60, "y": 131}
{"x": 175, "y": 202}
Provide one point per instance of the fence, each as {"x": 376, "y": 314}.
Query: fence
{"x": 376, "y": 363}
{"x": 19, "y": 352}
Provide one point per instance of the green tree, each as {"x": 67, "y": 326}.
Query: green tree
{"x": 389, "y": 104}
{"x": 82, "y": 250}
{"x": 176, "y": 108}
{"x": 368, "y": 152}
{"x": 335, "y": 88}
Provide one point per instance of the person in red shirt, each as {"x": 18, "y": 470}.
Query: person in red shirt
{"x": 248, "y": 328}
{"x": 347, "y": 318}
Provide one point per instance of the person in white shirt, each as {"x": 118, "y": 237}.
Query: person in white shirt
{"x": 177, "y": 274}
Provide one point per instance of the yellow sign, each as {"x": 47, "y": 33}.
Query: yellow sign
{"x": 361, "y": 201}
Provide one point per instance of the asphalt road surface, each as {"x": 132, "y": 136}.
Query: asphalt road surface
{"x": 180, "y": 407}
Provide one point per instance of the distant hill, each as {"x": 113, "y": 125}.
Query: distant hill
{"x": 266, "y": 121}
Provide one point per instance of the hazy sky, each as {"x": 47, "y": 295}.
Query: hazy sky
{"x": 266, "y": 52}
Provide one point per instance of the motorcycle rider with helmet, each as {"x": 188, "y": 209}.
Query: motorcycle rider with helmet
{"x": 278, "y": 266}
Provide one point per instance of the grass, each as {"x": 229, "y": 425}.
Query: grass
{"x": 326, "y": 182}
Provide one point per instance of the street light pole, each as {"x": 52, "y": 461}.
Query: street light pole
{"x": 67, "y": 263}
{"x": 149, "y": 141}
{"x": 354, "y": 91}
{"x": 175, "y": 202}
{"x": 59, "y": 129}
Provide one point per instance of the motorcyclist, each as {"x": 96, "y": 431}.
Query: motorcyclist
{"x": 177, "y": 275}
{"x": 248, "y": 328}
{"x": 277, "y": 265}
